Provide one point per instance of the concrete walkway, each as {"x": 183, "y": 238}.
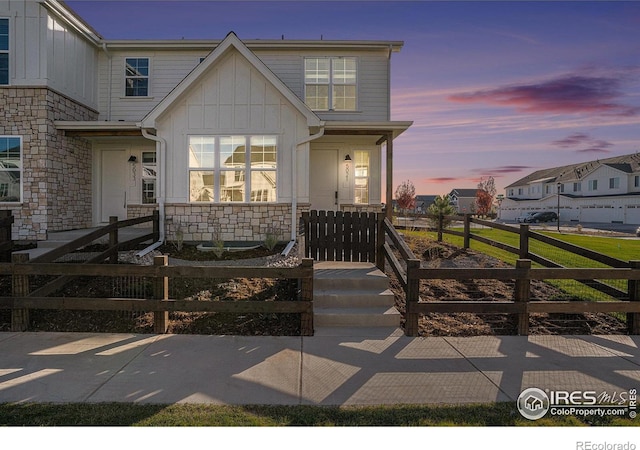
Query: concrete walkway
{"x": 328, "y": 369}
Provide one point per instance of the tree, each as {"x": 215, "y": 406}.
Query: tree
{"x": 406, "y": 197}
{"x": 441, "y": 206}
{"x": 485, "y": 195}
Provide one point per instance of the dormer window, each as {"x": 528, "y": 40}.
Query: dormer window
{"x": 331, "y": 83}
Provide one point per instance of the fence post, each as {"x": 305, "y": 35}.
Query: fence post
{"x": 19, "y": 288}
{"x": 306, "y": 295}
{"x": 156, "y": 225}
{"x": 412, "y": 297}
{"x": 380, "y": 261}
{"x": 161, "y": 292}
{"x": 440, "y": 226}
{"x": 633, "y": 319}
{"x": 524, "y": 241}
{"x": 6, "y": 219}
{"x": 467, "y": 230}
{"x": 522, "y": 293}
{"x": 113, "y": 239}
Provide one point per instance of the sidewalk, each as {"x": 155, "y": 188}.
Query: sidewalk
{"x": 319, "y": 370}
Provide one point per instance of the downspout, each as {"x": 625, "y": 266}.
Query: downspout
{"x": 294, "y": 183}
{"x": 109, "y": 79}
{"x": 162, "y": 143}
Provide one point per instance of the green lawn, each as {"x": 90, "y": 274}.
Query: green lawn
{"x": 117, "y": 414}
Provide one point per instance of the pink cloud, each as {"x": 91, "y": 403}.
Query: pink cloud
{"x": 568, "y": 94}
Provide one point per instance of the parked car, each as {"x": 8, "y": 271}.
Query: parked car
{"x": 545, "y": 216}
{"x": 523, "y": 218}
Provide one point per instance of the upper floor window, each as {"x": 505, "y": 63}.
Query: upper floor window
{"x": 614, "y": 183}
{"x": 636, "y": 181}
{"x": 361, "y": 176}
{"x": 4, "y": 51}
{"x": 219, "y": 172}
{"x": 10, "y": 168}
{"x": 593, "y": 185}
{"x": 577, "y": 187}
{"x": 331, "y": 83}
{"x": 136, "y": 77}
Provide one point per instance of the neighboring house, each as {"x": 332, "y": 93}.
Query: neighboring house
{"x": 604, "y": 190}
{"x": 464, "y": 200}
{"x": 246, "y": 134}
{"x": 422, "y": 203}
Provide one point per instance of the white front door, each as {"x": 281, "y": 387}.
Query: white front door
{"x": 323, "y": 180}
{"x": 113, "y": 187}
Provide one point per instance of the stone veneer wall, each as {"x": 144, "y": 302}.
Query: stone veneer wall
{"x": 135, "y": 211}
{"x": 56, "y": 169}
{"x": 242, "y": 222}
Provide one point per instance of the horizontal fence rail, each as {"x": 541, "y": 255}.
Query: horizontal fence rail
{"x": 408, "y": 271}
{"x": 160, "y": 274}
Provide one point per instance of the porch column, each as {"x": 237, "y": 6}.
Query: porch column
{"x": 389, "y": 190}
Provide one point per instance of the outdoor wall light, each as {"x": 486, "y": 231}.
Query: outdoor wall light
{"x": 347, "y": 158}
{"x": 133, "y": 158}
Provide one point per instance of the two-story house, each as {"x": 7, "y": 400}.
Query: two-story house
{"x": 604, "y": 190}
{"x": 243, "y": 134}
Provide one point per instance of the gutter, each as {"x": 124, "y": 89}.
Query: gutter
{"x": 162, "y": 143}
{"x": 294, "y": 183}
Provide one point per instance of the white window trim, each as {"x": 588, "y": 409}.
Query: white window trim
{"x": 217, "y": 169}
{"x": 21, "y": 169}
{"x": 124, "y": 84}
{"x": 330, "y": 84}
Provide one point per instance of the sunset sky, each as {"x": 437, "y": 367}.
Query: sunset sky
{"x": 494, "y": 88}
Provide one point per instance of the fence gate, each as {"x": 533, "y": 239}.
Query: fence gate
{"x": 341, "y": 236}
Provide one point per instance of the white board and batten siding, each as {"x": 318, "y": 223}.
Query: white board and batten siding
{"x": 231, "y": 98}
{"x": 46, "y": 51}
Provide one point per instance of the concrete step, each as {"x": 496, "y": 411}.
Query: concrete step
{"x": 357, "y": 280}
{"x": 356, "y": 298}
{"x": 368, "y": 333}
{"x": 356, "y": 317}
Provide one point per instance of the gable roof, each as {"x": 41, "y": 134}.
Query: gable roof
{"x": 573, "y": 172}
{"x": 464, "y": 192}
{"x": 231, "y": 41}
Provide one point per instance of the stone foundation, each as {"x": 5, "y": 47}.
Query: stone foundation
{"x": 243, "y": 222}
{"x": 56, "y": 174}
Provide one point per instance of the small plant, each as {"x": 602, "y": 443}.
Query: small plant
{"x": 179, "y": 242}
{"x": 271, "y": 238}
{"x": 579, "y": 228}
{"x": 216, "y": 240}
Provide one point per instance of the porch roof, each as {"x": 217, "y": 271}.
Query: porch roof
{"x": 339, "y": 127}
{"x": 94, "y": 128}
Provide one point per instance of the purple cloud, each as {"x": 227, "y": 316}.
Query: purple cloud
{"x": 586, "y": 142}
{"x": 568, "y": 94}
{"x": 501, "y": 170}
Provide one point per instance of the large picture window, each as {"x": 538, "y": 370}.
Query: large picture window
{"x": 4, "y": 51}
{"x": 136, "y": 77}
{"x": 331, "y": 83}
{"x": 10, "y": 168}
{"x": 219, "y": 172}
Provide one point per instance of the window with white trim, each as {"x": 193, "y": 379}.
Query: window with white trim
{"x": 614, "y": 183}
{"x": 593, "y": 185}
{"x": 4, "y": 51}
{"x": 636, "y": 181}
{"x": 577, "y": 187}
{"x": 331, "y": 83}
{"x": 361, "y": 176}
{"x": 136, "y": 77}
{"x": 149, "y": 176}
{"x": 218, "y": 169}
{"x": 10, "y": 168}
